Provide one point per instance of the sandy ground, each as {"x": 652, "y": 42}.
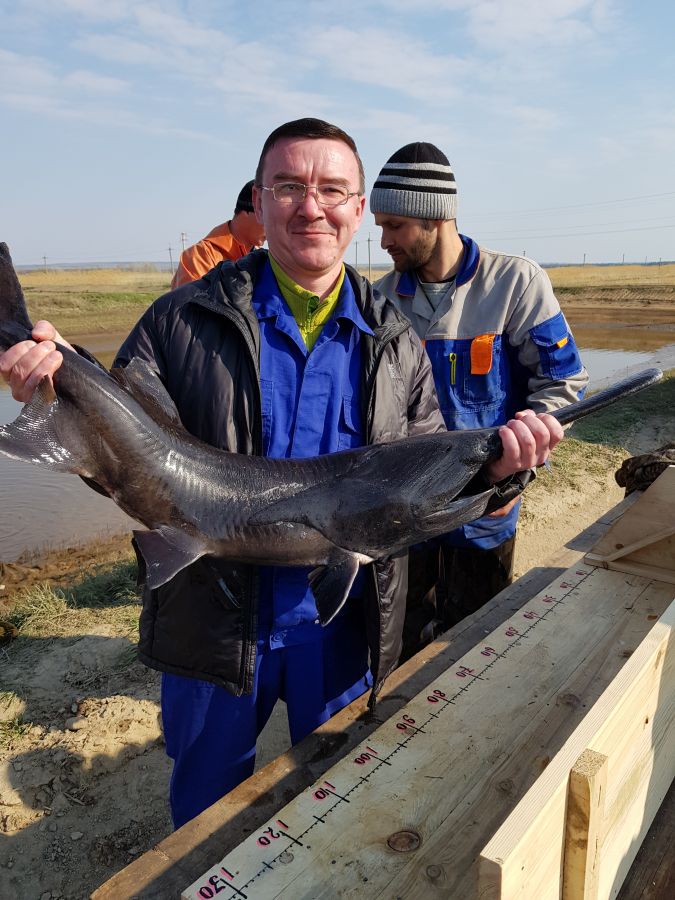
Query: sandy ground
{"x": 83, "y": 790}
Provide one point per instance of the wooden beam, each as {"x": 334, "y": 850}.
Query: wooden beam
{"x": 633, "y": 724}
{"x": 643, "y": 543}
{"x": 583, "y": 826}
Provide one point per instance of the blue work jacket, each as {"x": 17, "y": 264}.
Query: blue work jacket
{"x": 311, "y": 405}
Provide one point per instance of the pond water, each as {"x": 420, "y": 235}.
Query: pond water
{"x": 52, "y": 509}
{"x": 611, "y": 364}
{"x": 41, "y": 508}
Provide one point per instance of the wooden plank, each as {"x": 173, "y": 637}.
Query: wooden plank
{"x": 583, "y": 826}
{"x": 633, "y": 724}
{"x": 652, "y": 875}
{"x": 643, "y": 543}
{"x": 432, "y": 765}
{"x": 163, "y": 871}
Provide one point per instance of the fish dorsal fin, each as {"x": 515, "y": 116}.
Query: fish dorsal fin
{"x": 165, "y": 551}
{"x": 146, "y": 387}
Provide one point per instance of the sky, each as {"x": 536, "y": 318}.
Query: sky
{"x": 125, "y": 124}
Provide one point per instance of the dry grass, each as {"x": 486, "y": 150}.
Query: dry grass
{"x": 107, "y": 280}
{"x": 107, "y": 595}
{"x": 84, "y": 301}
{"x": 617, "y": 425}
{"x": 376, "y": 272}
{"x": 612, "y": 276}
{"x": 88, "y": 301}
{"x": 12, "y": 731}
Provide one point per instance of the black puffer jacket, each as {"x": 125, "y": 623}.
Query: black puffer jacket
{"x": 204, "y": 341}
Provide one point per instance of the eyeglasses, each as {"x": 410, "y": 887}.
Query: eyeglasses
{"x": 328, "y": 195}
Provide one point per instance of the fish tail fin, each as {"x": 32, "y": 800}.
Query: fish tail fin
{"x": 33, "y": 435}
{"x": 15, "y": 323}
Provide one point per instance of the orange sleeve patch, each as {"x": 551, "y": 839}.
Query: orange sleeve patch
{"x": 481, "y": 354}
{"x": 562, "y": 342}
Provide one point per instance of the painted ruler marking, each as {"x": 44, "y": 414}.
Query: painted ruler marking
{"x": 270, "y": 859}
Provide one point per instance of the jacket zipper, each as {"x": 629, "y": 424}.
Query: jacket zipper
{"x": 392, "y": 333}
{"x": 248, "y": 657}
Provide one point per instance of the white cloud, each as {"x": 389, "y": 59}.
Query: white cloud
{"x": 172, "y": 30}
{"x": 29, "y": 75}
{"x": 25, "y": 72}
{"x": 40, "y": 87}
{"x": 508, "y": 26}
{"x": 97, "y": 10}
{"x": 402, "y": 127}
{"x": 400, "y": 63}
{"x": 537, "y": 118}
{"x": 91, "y": 82}
{"x": 122, "y": 50}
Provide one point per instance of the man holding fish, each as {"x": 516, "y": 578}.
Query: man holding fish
{"x": 280, "y": 354}
{"x": 498, "y": 342}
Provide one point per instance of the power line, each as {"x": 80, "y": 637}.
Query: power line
{"x": 633, "y": 223}
{"x": 538, "y": 234}
{"x": 544, "y": 209}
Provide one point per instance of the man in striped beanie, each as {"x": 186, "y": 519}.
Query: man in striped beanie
{"x": 499, "y": 346}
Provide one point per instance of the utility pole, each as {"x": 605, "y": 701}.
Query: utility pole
{"x": 584, "y": 262}
{"x": 171, "y": 259}
{"x": 44, "y": 260}
{"x": 623, "y": 258}
{"x": 183, "y": 237}
{"x": 369, "y": 277}
{"x": 356, "y": 255}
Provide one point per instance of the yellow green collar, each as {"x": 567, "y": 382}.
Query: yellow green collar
{"x": 309, "y": 311}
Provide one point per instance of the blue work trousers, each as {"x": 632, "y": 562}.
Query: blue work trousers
{"x": 211, "y": 735}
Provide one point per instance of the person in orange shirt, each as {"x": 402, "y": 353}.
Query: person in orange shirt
{"x": 231, "y": 240}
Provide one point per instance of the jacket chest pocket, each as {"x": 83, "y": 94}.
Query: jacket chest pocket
{"x": 470, "y": 377}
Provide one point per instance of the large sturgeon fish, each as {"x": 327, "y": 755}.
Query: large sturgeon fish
{"x": 121, "y": 430}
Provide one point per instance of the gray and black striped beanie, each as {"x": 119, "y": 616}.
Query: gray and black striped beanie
{"x": 417, "y": 181}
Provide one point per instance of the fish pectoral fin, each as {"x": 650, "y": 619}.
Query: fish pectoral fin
{"x": 34, "y": 435}
{"x": 331, "y": 585}
{"x": 457, "y": 512}
{"x": 164, "y": 552}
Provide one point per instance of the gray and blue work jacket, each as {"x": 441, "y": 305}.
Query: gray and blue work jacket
{"x": 498, "y": 343}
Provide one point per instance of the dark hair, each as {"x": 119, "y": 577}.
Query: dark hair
{"x": 313, "y": 129}
{"x": 245, "y": 199}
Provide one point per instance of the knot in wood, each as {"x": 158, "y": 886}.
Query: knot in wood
{"x": 434, "y": 872}
{"x": 404, "y": 841}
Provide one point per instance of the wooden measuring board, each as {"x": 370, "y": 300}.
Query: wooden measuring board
{"x": 406, "y": 813}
